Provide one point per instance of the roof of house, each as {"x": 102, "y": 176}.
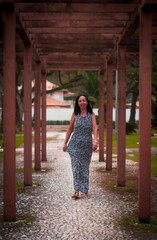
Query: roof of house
{"x": 50, "y": 85}
{"x": 51, "y": 102}
{"x": 129, "y": 104}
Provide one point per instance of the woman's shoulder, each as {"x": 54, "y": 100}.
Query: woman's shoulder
{"x": 92, "y": 114}
{"x": 73, "y": 115}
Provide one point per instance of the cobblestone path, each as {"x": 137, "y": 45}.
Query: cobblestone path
{"x": 56, "y": 215}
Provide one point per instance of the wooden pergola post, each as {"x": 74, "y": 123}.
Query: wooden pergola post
{"x": 101, "y": 115}
{"x": 121, "y": 124}
{"x": 109, "y": 122}
{"x": 145, "y": 84}
{"x": 9, "y": 30}
{"x": 37, "y": 115}
{"x": 28, "y": 115}
{"x": 44, "y": 158}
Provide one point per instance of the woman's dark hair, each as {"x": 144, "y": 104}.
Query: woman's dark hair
{"x": 77, "y": 108}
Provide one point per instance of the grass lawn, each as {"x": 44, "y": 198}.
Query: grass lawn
{"x": 154, "y": 166}
{"x": 132, "y": 142}
{"x": 19, "y": 140}
{"x": 153, "y": 161}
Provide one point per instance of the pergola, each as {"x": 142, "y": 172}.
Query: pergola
{"x": 102, "y": 35}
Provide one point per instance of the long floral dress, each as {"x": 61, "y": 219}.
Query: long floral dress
{"x": 80, "y": 151}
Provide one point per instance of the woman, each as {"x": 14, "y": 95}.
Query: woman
{"x": 80, "y": 146}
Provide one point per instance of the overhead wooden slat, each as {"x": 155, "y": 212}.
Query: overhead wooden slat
{"x": 22, "y": 32}
{"x": 80, "y": 49}
{"x": 131, "y": 27}
{"x": 74, "y": 24}
{"x": 35, "y": 16}
{"x": 77, "y": 61}
{"x": 81, "y": 1}
{"x": 73, "y": 30}
{"x": 74, "y": 44}
{"x": 65, "y": 32}
{"x": 74, "y": 36}
{"x": 76, "y": 7}
{"x": 65, "y": 67}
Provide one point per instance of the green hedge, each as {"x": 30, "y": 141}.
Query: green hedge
{"x": 58, "y": 122}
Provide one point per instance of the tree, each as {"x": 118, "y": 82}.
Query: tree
{"x": 154, "y": 86}
{"x": 19, "y": 101}
{"x": 89, "y": 86}
{"x": 132, "y": 87}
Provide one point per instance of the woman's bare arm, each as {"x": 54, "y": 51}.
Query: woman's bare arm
{"x": 69, "y": 132}
{"x": 94, "y": 126}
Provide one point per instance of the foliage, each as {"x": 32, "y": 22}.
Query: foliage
{"x": 17, "y": 221}
{"x": 63, "y": 80}
{"x": 132, "y": 73}
{"x": 19, "y": 170}
{"x": 19, "y": 141}
{"x": 19, "y": 185}
{"x": 154, "y": 166}
{"x": 89, "y": 86}
{"x": 69, "y": 84}
{"x": 154, "y": 86}
{"x": 61, "y": 77}
{"x": 125, "y": 188}
{"x": 154, "y": 114}
{"x": 131, "y": 127}
{"x": 133, "y": 84}
{"x": 132, "y": 222}
{"x": 19, "y": 100}
{"x": 97, "y": 119}
{"x": 57, "y": 122}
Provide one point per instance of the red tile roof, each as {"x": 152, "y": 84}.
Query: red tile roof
{"x": 50, "y": 102}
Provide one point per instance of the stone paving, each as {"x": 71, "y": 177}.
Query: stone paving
{"x": 56, "y": 215}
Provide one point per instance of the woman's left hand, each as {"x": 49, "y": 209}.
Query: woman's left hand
{"x": 64, "y": 147}
{"x": 94, "y": 146}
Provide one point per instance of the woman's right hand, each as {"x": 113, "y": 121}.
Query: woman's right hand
{"x": 95, "y": 146}
{"x": 64, "y": 147}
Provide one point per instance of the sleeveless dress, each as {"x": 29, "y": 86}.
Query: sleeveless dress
{"x": 80, "y": 151}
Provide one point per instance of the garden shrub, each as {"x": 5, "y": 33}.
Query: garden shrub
{"x": 131, "y": 127}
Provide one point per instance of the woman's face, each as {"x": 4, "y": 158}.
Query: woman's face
{"x": 82, "y": 102}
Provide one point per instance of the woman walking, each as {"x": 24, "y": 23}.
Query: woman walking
{"x": 80, "y": 146}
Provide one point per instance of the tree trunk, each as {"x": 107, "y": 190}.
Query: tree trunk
{"x": 133, "y": 107}
{"x": 19, "y": 113}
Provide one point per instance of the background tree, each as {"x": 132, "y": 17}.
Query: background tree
{"x": 154, "y": 86}
{"x": 89, "y": 85}
{"x": 133, "y": 87}
{"x": 19, "y": 101}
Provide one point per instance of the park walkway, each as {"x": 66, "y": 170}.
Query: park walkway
{"x": 57, "y": 216}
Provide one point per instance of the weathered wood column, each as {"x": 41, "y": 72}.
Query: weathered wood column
{"x": 37, "y": 115}
{"x": 101, "y": 115}
{"x": 28, "y": 115}
{"x": 44, "y": 116}
{"x": 109, "y": 122}
{"x": 121, "y": 124}
{"x": 9, "y": 29}
{"x": 145, "y": 83}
